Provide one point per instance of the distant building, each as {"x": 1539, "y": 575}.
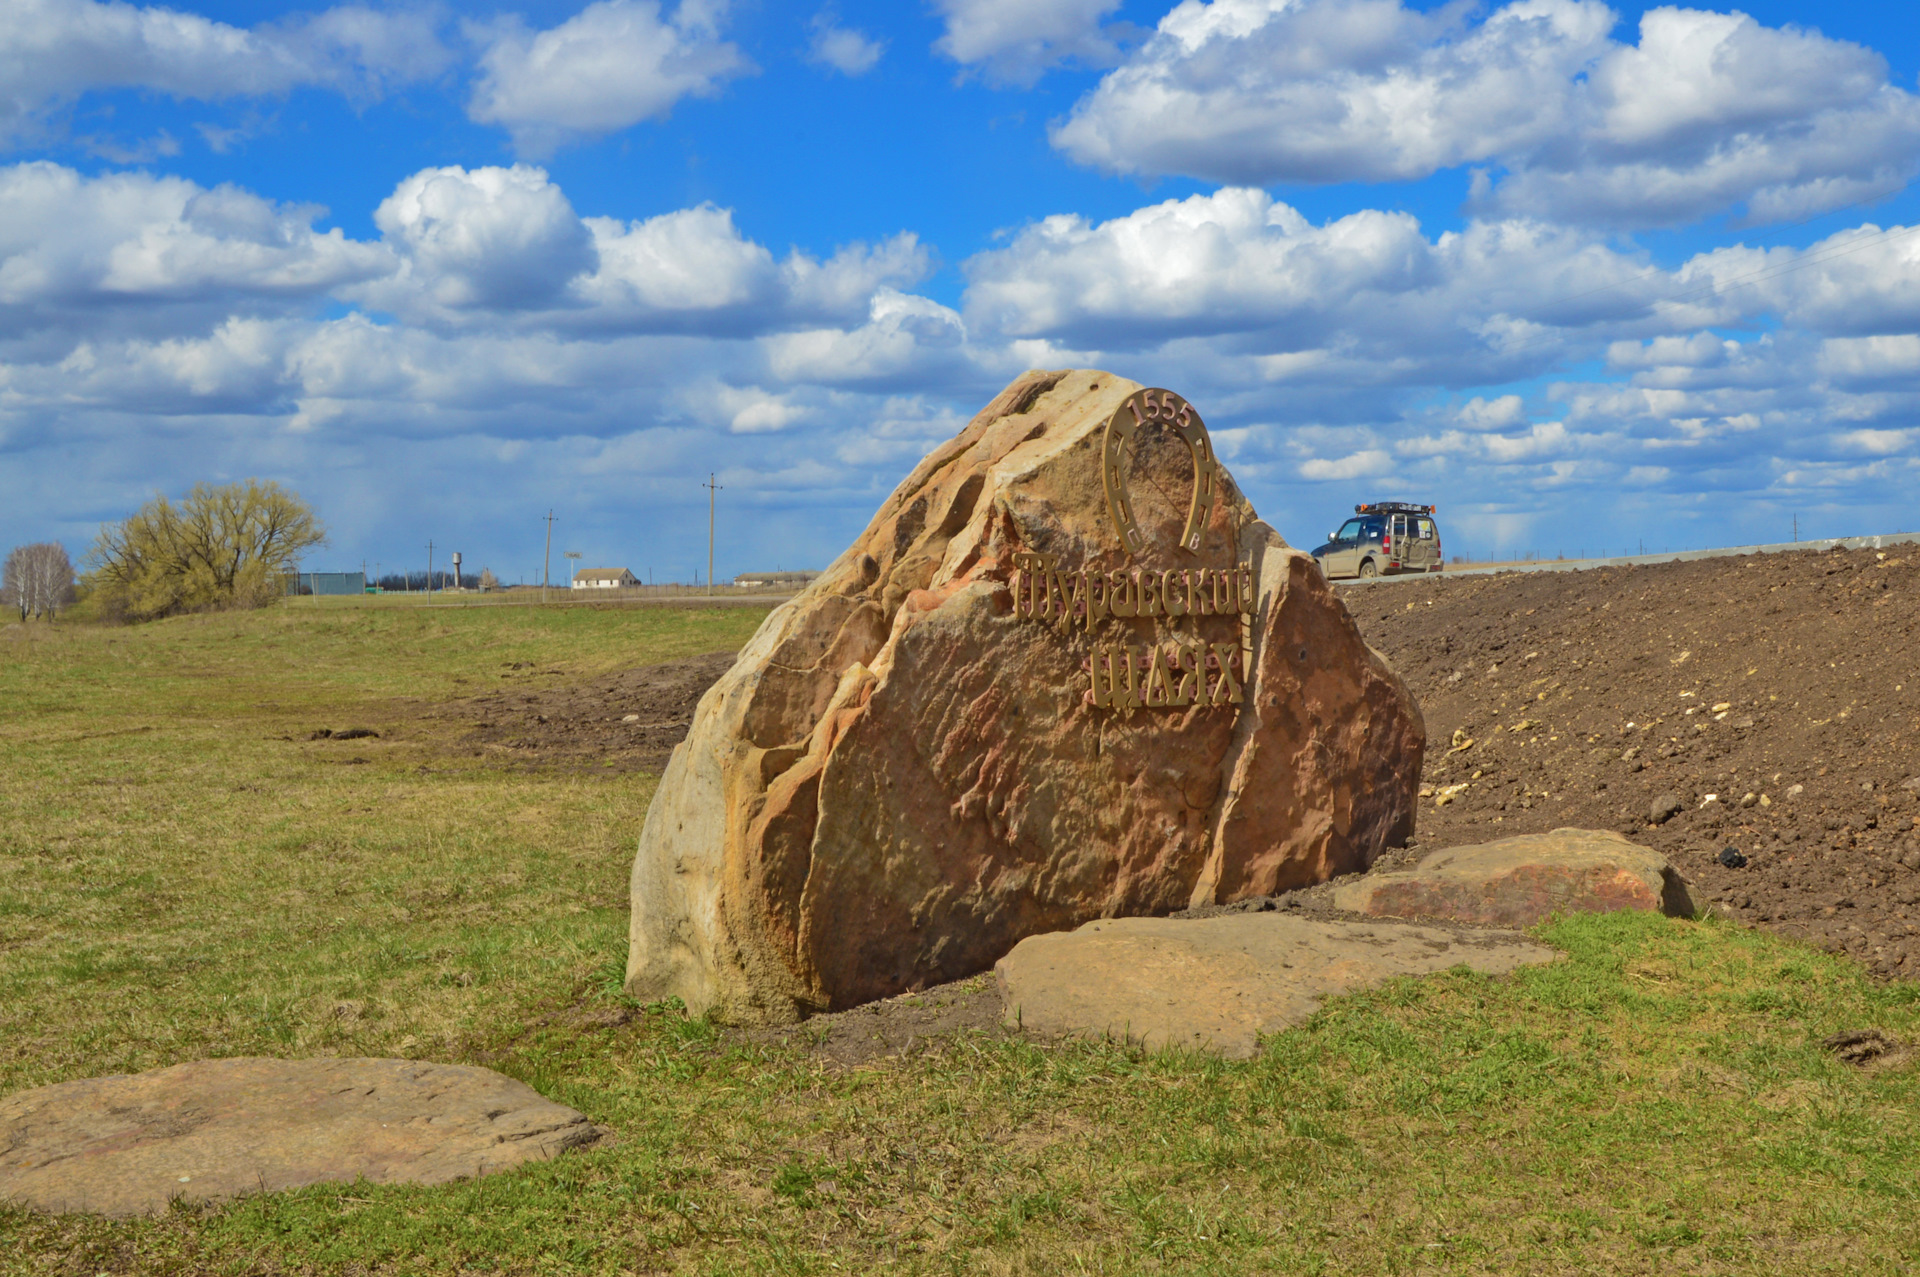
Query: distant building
{"x": 330, "y": 583}
{"x": 780, "y": 580}
{"x": 603, "y": 579}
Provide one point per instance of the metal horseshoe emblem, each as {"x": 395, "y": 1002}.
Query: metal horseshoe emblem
{"x": 1163, "y": 406}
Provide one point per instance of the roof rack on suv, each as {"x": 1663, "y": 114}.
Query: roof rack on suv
{"x": 1392, "y": 507}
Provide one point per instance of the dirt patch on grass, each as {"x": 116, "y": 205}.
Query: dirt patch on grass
{"x": 628, "y": 721}
{"x": 897, "y": 1026}
{"x": 1771, "y": 703}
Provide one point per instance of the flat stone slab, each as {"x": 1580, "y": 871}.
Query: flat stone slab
{"x": 1219, "y": 983}
{"x": 214, "y": 1129}
{"x": 1517, "y": 882}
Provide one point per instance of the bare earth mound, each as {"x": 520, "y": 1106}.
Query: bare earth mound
{"x": 1591, "y": 697}
{"x": 623, "y": 722}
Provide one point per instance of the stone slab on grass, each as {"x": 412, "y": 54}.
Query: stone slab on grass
{"x": 1517, "y": 882}
{"x": 1219, "y": 983}
{"x": 214, "y": 1129}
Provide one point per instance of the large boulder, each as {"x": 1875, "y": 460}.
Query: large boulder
{"x": 981, "y": 722}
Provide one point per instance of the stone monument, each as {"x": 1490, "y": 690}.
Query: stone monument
{"x": 1066, "y": 673}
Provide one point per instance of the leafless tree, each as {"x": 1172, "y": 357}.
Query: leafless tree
{"x": 37, "y": 579}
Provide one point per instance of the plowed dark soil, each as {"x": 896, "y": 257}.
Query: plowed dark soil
{"x": 623, "y": 722}
{"x": 1771, "y": 698}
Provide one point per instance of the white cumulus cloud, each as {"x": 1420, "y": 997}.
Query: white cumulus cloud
{"x": 1242, "y": 268}
{"x": 503, "y": 246}
{"x": 1708, "y": 111}
{"x": 692, "y": 270}
{"x": 613, "y": 64}
{"x": 53, "y": 51}
{"x": 1355, "y": 465}
{"x": 1015, "y": 41}
{"x": 492, "y": 238}
{"x": 846, "y": 50}
{"x": 173, "y": 331}
{"x": 133, "y": 252}
{"x": 907, "y": 342}
{"x": 1501, "y": 413}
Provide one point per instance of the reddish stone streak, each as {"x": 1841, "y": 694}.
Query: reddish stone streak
{"x": 1520, "y": 898}
{"x": 1329, "y": 775}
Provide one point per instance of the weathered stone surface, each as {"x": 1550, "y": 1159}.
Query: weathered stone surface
{"x": 1219, "y": 983}
{"x": 901, "y": 778}
{"x": 1517, "y": 882}
{"x": 215, "y": 1129}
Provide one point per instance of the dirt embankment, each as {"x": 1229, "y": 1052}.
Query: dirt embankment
{"x": 1772, "y": 698}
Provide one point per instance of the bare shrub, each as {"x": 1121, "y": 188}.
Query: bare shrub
{"x": 37, "y": 579}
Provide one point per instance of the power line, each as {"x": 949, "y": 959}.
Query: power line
{"x": 547, "y": 561}
{"x": 711, "y": 487}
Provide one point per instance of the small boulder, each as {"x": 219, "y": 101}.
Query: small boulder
{"x": 1517, "y": 882}
{"x": 1665, "y": 808}
{"x": 1220, "y": 983}
{"x": 214, "y": 1129}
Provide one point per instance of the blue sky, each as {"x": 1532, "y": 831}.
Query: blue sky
{"x": 1586, "y": 277}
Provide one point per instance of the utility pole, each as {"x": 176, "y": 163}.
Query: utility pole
{"x": 547, "y": 562}
{"x": 429, "y": 571}
{"x": 711, "y": 488}
{"x": 1796, "y": 527}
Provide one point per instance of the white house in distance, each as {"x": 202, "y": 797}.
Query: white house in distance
{"x": 603, "y": 579}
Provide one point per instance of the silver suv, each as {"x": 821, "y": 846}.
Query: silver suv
{"x": 1382, "y": 539}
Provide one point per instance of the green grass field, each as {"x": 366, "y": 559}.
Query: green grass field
{"x": 557, "y": 596}
{"x": 183, "y": 873}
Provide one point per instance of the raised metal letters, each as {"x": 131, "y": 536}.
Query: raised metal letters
{"x": 1173, "y": 673}
{"x": 1082, "y": 599}
{"x": 1126, "y": 678}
